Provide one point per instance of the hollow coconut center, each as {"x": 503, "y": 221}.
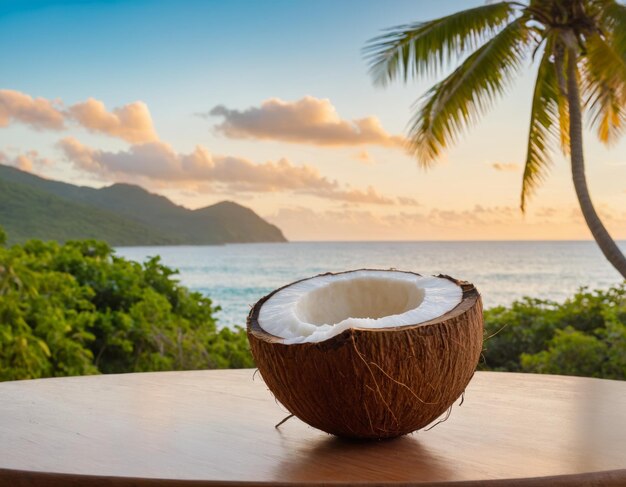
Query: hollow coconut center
{"x": 319, "y": 308}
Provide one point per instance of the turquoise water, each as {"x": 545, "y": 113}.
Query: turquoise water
{"x": 236, "y": 276}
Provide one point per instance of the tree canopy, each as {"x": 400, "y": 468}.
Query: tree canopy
{"x": 585, "y": 335}
{"x": 79, "y": 309}
{"x": 582, "y": 49}
{"x": 493, "y": 43}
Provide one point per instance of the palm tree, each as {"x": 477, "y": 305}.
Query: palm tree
{"x": 582, "y": 44}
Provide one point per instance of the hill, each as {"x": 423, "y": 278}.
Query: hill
{"x": 121, "y": 214}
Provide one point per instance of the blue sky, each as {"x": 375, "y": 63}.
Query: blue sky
{"x": 176, "y": 55}
{"x": 181, "y": 58}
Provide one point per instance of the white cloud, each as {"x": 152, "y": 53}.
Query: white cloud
{"x": 309, "y": 120}
{"x": 39, "y": 113}
{"x": 158, "y": 162}
{"x": 30, "y": 161}
{"x": 131, "y": 122}
{"x": 369, "y": 195}
{"x": 480, "y": 223}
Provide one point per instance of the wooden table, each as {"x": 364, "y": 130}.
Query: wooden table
{"x": 217, "y": 427}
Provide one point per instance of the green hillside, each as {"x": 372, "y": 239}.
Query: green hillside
{"x": 121, "y": 214}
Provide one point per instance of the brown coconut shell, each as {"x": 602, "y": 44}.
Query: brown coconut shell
{"x": 374, "y": 383}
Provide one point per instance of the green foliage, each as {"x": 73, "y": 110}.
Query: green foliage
{"x": 570, "y": 352}
{"x": 490, "y": 42}
{"x": 121, "y": 214}
{"x": 585, "y": 335}
{"x": 424, "y": 48}
{"x": 29, "y": 212}
{"x": 79, "y": 309}
{"x": 454, "y": 103}
{"x": 549, "y": 121}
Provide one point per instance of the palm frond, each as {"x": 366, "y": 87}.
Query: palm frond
{"x": 452, "y": 104}
{"x": 614, "y": 25}
{"x": 549, "y": 123}
{"x": 425, "y": 47}
{"x": 560, "y": 63}
{"x": 604, "y": 88}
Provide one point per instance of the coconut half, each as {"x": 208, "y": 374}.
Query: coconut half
{"x": 368, "y": 353}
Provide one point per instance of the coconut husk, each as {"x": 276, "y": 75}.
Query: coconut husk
{"x": 374, "y": 383}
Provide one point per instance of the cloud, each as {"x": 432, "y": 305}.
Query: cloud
{"x": 364, "y": 157}
{"x": 24, "y": 163}
{"x": 369, "y": 196}
{"x": 131, "y": 122}
{"x": 307, "y": 224}
{"x": 477, "y": 216}
{"x": 39, "y": 113}
{"x": 243, "y": 175}
{"x": 408, "y": 201}
{"x": 309, "y": 120}
{"x": 506, "y": 166}
{"x": 479, "y": 223}
{"x": 157, "y": 161}
{"x": 29, "y": 161}
{"x": 546, "y": 212}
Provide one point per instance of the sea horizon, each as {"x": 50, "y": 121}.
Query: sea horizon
{"x": 619, "y": 241}
{"x": 235, "y": 276}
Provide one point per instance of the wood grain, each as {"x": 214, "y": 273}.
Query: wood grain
{"x": 217, "y": 427}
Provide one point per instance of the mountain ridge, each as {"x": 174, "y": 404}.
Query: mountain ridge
{"x": 34, "y": 207}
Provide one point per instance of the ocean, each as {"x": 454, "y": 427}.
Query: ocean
{"x": 235, "y": 276}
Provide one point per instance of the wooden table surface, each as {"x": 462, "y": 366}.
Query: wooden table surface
{"x": 217, "y": 427}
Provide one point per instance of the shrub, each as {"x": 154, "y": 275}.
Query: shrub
{"x": 585, "y": 335}
{"x": 79, "y": 309}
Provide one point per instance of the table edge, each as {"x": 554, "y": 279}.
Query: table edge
{"x": 254, "y": 370}
{"x": 27, "y": 478}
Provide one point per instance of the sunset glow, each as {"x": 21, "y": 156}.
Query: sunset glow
{"x": 201, "y": 102}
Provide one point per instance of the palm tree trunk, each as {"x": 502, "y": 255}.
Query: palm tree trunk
{"x": 607, "y": 245}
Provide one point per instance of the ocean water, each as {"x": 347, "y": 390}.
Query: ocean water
{"x": 235, "y": 276}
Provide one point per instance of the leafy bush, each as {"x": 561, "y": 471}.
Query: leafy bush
{"x": 585, "y": 335}
{"x": 79, "y": 309}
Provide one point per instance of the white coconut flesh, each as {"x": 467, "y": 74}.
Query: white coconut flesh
{"x": 319, "y": 308}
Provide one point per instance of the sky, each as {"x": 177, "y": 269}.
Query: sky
{"x": 270, "y": 104}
